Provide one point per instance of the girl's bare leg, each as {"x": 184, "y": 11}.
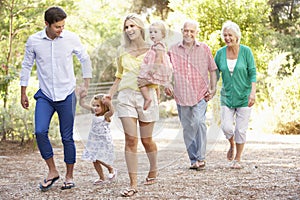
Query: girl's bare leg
{"x": 109, "y": 167}
{"x": 98, "y": 168}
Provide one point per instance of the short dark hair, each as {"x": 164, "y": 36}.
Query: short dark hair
{"x": 54, "y": 14}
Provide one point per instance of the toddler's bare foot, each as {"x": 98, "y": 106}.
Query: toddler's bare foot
{"x": 147, "y": 103}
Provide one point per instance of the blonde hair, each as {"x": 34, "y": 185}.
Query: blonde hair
{"x": 229, "y": 25}
{"x": 162, "y": 27}
{"x": 138, "y": 22}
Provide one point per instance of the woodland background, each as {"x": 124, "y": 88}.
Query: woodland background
{"x": 270, "y": 28}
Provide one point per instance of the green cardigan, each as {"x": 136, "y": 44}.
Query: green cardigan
{"x": 236, "y": 88}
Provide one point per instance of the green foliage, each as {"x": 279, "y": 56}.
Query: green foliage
{"x": 156, "y": 7}
{"x": 284, "y": 15}
{"x": 285, "y": 18}
{"x": 18, "y": 20}
{"x": 250, "y": 15}
{"x": 7, "y": 74}
{"x": 100, "y": 29}
{"x": 19, "y": 123}
{"x": 280, "y": 111}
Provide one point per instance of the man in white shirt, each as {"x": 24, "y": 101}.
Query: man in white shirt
{"x": 52, "y": 50}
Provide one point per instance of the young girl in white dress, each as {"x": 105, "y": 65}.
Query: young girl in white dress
{"x": 99, "y": 148}
{"x": 156, "y": 67}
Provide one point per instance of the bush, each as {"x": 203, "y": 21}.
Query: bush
{"x": 280, "y": 111}
{"x": 17, "y": 123}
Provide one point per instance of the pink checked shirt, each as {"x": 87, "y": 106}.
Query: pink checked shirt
{"x": 191, "y": 68}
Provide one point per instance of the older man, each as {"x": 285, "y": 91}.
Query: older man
{"x": 192, "y": 62}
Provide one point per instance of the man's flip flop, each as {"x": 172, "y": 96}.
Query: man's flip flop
{"x": 46, "y": 188}
{"x": 67, "y": 185}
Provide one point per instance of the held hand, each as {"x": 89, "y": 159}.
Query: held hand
{"x": 82, "y": 92}
{"x": 107, "y": 97}
{"x": 209, "y": 95}
{"x": 106, "y": 100}
{"x": 169, "y": 91}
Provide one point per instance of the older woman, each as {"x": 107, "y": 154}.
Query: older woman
{"x": 130, "y": 107}
{"x": 236, "y": 63}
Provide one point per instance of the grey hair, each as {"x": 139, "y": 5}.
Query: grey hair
{"x": 194, "y": 22}
{"x": 229, "y": 25}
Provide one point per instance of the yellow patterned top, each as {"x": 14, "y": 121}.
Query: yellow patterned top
{"x": 128, "y": 69}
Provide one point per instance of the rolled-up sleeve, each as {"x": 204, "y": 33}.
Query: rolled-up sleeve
{"x": 86, "y": 68}
{"x": 27, "y": 63}
{"x": 84, "y": 58}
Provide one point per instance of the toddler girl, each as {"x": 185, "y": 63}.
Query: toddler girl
{"x": 99, "y": 147}
{"x": 156, "y": 67}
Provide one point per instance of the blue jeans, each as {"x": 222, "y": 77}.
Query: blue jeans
{"x": 192, "y": 119}
{"x": 44, "y": 111}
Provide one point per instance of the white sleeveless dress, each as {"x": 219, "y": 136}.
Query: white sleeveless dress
{"x": 99, "y": 145}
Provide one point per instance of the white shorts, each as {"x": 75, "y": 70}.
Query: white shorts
{"x": 234, "y": 122}
{"x": 131, "y": 104}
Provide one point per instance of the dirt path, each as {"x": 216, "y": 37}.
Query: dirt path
{"x": 271, "y": 170}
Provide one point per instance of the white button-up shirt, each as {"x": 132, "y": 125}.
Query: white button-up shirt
{"x": 54, "y": 62}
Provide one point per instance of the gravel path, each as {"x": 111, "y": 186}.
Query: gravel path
{"x": 271, "y": 169}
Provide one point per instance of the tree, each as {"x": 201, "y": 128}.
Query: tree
{"x": 157, "y": 7}
{"x": 101, "y": 29}
{"x": 285, "y": 18}
{"x": 14, "y": 23}
{"x": 18, "y": 19}
{"x": 284, "y": 14}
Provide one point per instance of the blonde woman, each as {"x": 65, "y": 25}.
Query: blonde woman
{"x": 131, "y": 102}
